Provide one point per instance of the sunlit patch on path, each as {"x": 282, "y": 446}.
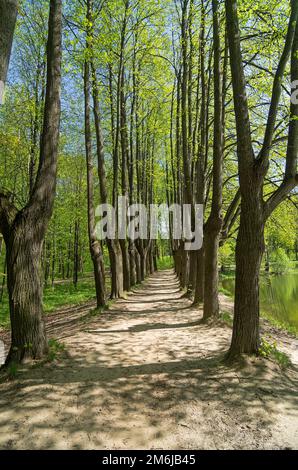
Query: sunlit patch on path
{"x": 147, "y": 374}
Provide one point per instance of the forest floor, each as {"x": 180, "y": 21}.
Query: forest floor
{"x": 146, "y": 374}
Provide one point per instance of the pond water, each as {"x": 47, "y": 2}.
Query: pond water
{"x": 278, "y": 296}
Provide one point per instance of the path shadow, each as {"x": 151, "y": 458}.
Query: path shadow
{"x": 164, "y": 387}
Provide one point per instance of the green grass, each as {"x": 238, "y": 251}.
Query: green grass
{"x": 226, "y": 317}
{"x": 269, "y": 350}
{"x": 224, "y": 291}
{"x": 270, "y": 318}
{"x": 280, "y": 324}
{"x": 166, "y": 262}
{"x": 55, "y": 297}
{"x": 64, "y": 294}
{"x": 12, "y": 370}
{"x": 55, "y": 349}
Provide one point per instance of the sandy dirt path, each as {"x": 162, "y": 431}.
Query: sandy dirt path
{"x": 147, "y": 375}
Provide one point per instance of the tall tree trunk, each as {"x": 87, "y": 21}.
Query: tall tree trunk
{"x": 125, "y": 158}
{"x": 200, "y": 197}
{"x": 131, "y": 164}
{"x": 94, "y": 244}
{"x": 252, "y": 171}
{"x": 69, "y": 245}
{"x": 214, "y": 223}
{"x": 246, "y": 312}
{"x": 53, "y": 266}
{"x": 3, "y": 281}
{"x": 116, "y": 269}
{"x": 114, "y": 250}
{"x": 28, "y": 335}
{"x": 75, "y": 273}
{"x": 185, "y": 121}
{"x": 138, "y": 267}
{"x": 24, "y": 231}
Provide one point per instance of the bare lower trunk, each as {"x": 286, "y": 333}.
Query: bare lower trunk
{"x": 249, "y": 252}
{"x": 155, "y": 262}
{"x": 132, "y": 263}
{"x": 98, "y": 269}
{"x": 152, "y": 269}
{"x": 142, "y": 255}
{"x": 199, "y": 292}
{"x": 25, "y": 296}
{"x": 126, "y": 265}
{"x": 138, "y": 267}
{"x": 211, "y": 300}
{"x": 116, "y": 269}
{"x": 76, "y": 255}
{"x": 184, "y": 268}
{"x": 143, "y": 266}
{"x": 178, "y": 261}
{"x": 2, "y": 287}
{"x": 192, "y": 271}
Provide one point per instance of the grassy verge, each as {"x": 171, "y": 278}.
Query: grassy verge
{"x": 280, "y": 324}
{"x": 269, "y": 350}
{"x": 56, "y": 297}
{"x": 226, "y": 317}
{"x": 65, "y": 293}
{"x": 272, "y": 320}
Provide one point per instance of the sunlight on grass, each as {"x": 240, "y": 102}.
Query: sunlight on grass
{"x": 55, "y": 297}
{"x": 64, "y": 294}
{"x": 165, "y": 263}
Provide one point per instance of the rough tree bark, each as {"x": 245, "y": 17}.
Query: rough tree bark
{"x": 24, "y": 230}
{"x": 113, "y": 245}
{"x": 214, "y": 223}
{"x": 124, "y": 180}
{"x": 252, "y": 171}
{"x": 188, "y": 197}
{"x": 94, "y": 243}
{"x": 199, "y": 291}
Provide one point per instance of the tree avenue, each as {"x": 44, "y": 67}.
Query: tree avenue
{"x": 188, "y": 102}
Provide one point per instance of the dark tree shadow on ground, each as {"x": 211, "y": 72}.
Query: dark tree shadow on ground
{"x": 125, "y": 382}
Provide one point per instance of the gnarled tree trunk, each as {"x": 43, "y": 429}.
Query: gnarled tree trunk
{"x": 24, "y": 230}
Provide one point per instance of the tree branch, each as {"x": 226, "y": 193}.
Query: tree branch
{"x": 280, "y": 195}
{"x": 263, "y": 156}
{"x": 244, "y": 143}
{"x": 291, "y": 177}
